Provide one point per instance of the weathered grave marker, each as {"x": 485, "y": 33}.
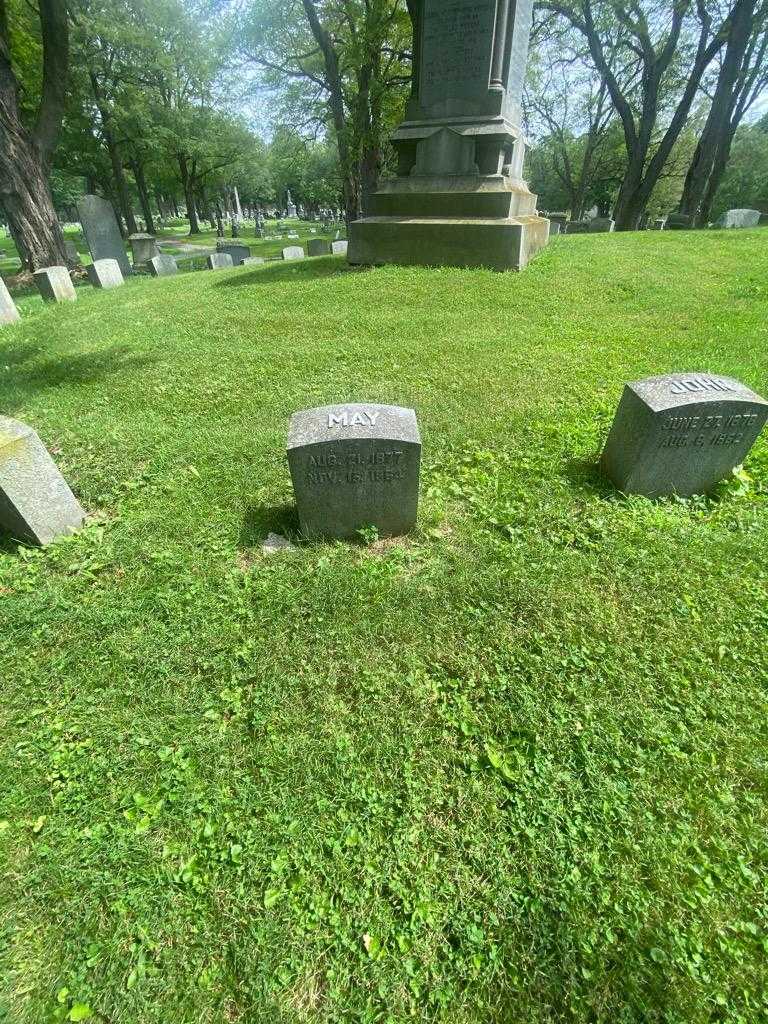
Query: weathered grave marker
{"x": 252, "y": 260}
{"x": 102, "y": 234}
{"x": 105, "y": 274}
{"x": 293, "y": 252}
{"x": 143, "y": 248}
{"x": 340, "y": 248}
{"x": 739, "y": 219}
{"x": 71, "y": 250}
{"x": 355, "y": 466}
{"x": 681, "y": 433}
{"x": 219, "y": 261}
{"x": 600, "y": 224}
{"x": 162, "y": 265}
{"x": 36, "y": 503}
{"x": 55, "y": 284}
{"x": 318, "y": 247}
{"x": 8, "y": 312}
{"x": 238, "y": 252}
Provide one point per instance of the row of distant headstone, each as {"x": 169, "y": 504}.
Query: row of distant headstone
{"x": 357, "y": 466}
{"x": 561, "y": 224}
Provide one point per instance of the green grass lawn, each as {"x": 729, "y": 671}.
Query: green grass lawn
{"x": 510, "y": 769}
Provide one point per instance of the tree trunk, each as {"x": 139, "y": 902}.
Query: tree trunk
{"x": 189, "y": 194}
{"x": 141, "y": 187}
{"x": 24, "y": 156}
{"x": 719, "y": 164}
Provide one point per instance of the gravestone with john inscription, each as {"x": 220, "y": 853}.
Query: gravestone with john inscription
{"x": 459, "y": 198}
{"x": 355, "y": 466}
{"x": 101, "y": 231}
{"x": 681, "y": 433}
{"x": 36, "y": 504}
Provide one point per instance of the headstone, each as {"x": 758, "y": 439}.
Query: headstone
{"x": 162, "y": 265}
{"x": 339, "y": 248}
{"x": 290, "y": 212}
{"x": 293, "y": 252}
{"x": 219, "y": 260}
{"x": 681, "y": 433}
{"x": 739, "y": 219}
{"x": 8, "y": 312}
{"x": 554, "y": 228}
{"x": 355, "y": 466}
{"x": 237, "y": 251}
{"x": 143, "y": 247}
{"x": 105, "y": 274}
{"x": 318, "y": 247}
{"x": 577, "y": 227}
{"x": 558, "y": 218}
{"x": 659, "y": 224}
{"x": 55, "y": 284}
{"x": 36, "y": 504}
{"x": 459, "y": 198}
{"x": 252, "y": 261}
{"x": 102, "y": 233}
{"x": 678, "y": 222}
{"x": 70, "y": 249}
{"x": 601, "y": 224}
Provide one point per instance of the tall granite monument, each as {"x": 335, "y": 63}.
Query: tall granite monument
{"x": 459, "y": 198}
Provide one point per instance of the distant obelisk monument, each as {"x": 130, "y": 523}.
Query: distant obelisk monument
{"x": 459, "y": 198}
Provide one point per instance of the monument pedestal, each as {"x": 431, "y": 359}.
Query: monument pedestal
{"x": 459, "y": 198}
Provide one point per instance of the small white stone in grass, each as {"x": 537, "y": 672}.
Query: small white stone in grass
{"x": 275, "y": 543}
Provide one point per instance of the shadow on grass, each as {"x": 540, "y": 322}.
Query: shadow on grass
{"x": 316, "y": 268}
{"x": 19, "y": 382}
{"x": 263, "y": 519}
{"x": 585, "y": 474}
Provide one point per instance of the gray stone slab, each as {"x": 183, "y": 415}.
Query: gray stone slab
{"x": 252, "y": 261}
{"x": 8, "y": 312}
{"x": 143, "y": 248}
{"x": 105, "y": 274}
{"x": 101, "y": 231}
{"x": 219, "y": 261}
{"x": 340, "y": 248}
{"x": 162, "y": 266}
{"x": 681, "y": 433}
{"x": 678, "y": 222}
{"x": 739, "y": 219}
{"x": 36, "y": 504}
{"x": 55, "y": 284}
{"x": 354, "y": 466}
{"x": 293, "y": 252}
{"x": 71, "y": 250}
{"x": 577, "y": 227}
{"x": 601, "y": 224}
{"x": 318, "y": 247}
{"x": 238, "y": 252}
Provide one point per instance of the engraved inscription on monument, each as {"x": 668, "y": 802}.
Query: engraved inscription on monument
{"x": 456, "y": 47}
{"x": 355, "y": 466}
{"x": 681, "y": 434}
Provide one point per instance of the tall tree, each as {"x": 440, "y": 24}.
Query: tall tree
{"x": 742, "y": 77}
{"x": 663, "y": 54}
{"x": 26, "y": 149}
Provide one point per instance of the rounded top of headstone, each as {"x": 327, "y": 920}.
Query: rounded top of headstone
{"x": 675, "y": 389}
{"x": 351, "y": 422}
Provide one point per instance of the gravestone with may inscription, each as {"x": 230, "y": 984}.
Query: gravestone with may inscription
{"x": 681, "y": 434}
{"x": 355, "y": 466}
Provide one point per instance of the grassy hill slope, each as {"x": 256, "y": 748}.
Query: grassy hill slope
{"x": 511, "y": 768}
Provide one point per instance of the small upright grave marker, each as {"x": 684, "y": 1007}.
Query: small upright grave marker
{"x": 739, "y": 219}
{"x": 162, "y": 265}
{"x": 8, "y": 312}
{"x": 355, "y": 466}
{"x": 105, "y": 274}
{"x": 143, "y": 247}
{"x": 318, "y": 247}
{"x": 681, "y": 433}
{"x": 101, "y": 231}
{"x": 55, "y": 284}
{"x": 238, "y": 252}
{"x": 293, "y": 252}
{"x": 340, "y": 248}
{"x": 219, "y": 261}
{"x": 36, "y": 504}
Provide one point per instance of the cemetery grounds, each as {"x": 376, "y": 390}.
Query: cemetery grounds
{"x": 510, "y": 768}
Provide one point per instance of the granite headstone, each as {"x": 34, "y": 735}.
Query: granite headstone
{"x": 143, "y": 248}
{"x": 105, "y": 274}
{"x": 739, "y": 219}
{"x": 36, "y": 504}
{"x": 101, "y": 231}
{"x": 237, "y": 251}
{"x": 293, "y": 252}
{"x": 318, "y": 247}
{"x": 355, "y": 466}
{"x": 219, "y": 261}
{"x": 600, "y": 224}
{"x": 340, "y": 248}
{"x": 8, "y": 312}
{"x": 55, "y": 284}
{"x": 162, "y": 265}
{"x": 681, "y": 433}
{"x": 250, "y": 261}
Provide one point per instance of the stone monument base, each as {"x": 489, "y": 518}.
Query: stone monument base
{"x": 461, "y": 221}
